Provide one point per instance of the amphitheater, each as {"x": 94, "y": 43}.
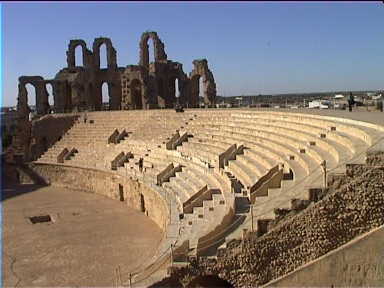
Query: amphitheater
{"x": 253, "y": 196}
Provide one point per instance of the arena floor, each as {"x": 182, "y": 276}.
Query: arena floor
{"x": 83, "y": 244}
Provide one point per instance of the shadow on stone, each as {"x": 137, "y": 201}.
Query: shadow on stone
{"x": 211, "y": 281}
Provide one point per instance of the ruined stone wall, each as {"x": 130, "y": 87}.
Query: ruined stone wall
{"x": 201, "y": 70}
{"x": 107, "y": 184}
{"x": 79, "y": 87}
{"x": 354, "y": 208}
{"x": 159, "y": 52}
{"x": 134, "y": 84}
{"x": 85, "y": 82}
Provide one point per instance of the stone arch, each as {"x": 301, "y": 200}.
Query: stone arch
{"x": 71, "y": 53}
{"x": 111, "y": 53}
{"x": 176, "y": 94}
{"x": 158, "y": 47}
{"x": 42, "y": 105}
{"x": 201, "y": 70}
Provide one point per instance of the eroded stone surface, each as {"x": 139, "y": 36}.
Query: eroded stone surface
{"x": 88, "y": 238}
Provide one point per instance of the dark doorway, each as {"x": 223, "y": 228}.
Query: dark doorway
{"x": 142, "y": 203}
{"x": 121, "y": 192}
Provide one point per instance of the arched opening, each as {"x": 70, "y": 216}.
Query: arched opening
{"x": 151, "y": 51}
{"x": 177, "y": 89}
{"x": 201, "y": 90}
{"x": 173, "y": 97}
{"x": 105, "y": 96}
{"x": 136, "y": 94}
{"x": 31, "y": 97}
{"x": 103, "y": 56}
{"x": 79, "y": 56}
{"x": 51, "y": 101}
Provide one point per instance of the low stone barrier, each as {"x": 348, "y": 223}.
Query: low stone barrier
{"x": 270, "y": 180}
{"x": 170, "y": 144}
{"x": 137, "y": 195}
{"x": 227, "y": 155}
{"x": 60, "y": 157}
{"x": 113, "y": 137}
{"x": 176, "y": 140}
{"x": 168, "y": 172}
{"x": 196, "y": 200}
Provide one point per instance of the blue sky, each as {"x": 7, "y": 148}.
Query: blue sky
{"x": 251, "y": 47}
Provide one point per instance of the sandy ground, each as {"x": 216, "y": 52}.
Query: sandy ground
{"x": 88, "y": 238}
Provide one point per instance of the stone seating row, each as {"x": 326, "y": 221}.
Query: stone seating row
{"x": 366, "y": 132}
{"x": 302, "y": 139}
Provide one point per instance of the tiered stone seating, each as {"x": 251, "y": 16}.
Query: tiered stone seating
{"x": 338, "y": 148}
{"x": 298, "y": 143}
{"x": 193, "y": 177}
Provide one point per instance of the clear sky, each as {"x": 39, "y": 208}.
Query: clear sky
{"x": 251, "y": 47}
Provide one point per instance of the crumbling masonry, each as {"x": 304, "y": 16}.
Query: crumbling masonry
{"x": 143, "y": 86}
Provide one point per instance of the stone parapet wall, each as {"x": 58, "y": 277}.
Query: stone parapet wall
{"x": 109, "y": 185}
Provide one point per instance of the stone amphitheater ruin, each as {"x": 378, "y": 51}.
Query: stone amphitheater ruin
{"x": 241, "y": 194}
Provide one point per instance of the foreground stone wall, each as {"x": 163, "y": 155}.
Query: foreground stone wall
{"x": 375, "y": 158}
{"x": 109, "y": 185}
{"x": 360, "y": 263}
{"x": 354, "y": 208}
